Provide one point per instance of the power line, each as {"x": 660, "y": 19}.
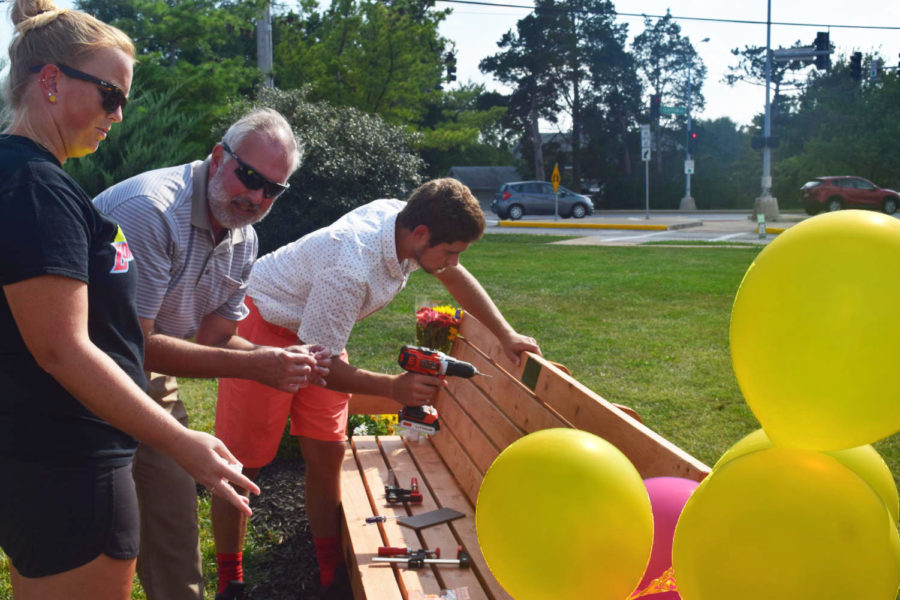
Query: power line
{"x": 706, "y": 19}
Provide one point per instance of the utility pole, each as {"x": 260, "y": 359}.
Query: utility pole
{"x": 264, "y": 45}
{"x": 766, "y": 204}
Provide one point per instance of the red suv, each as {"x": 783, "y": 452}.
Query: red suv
{"x": 835, "y": 193}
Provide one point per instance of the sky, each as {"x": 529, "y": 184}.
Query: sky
{"x": 475, "y": 29}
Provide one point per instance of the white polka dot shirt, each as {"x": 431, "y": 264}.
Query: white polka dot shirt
{"x": 327, "y": 281}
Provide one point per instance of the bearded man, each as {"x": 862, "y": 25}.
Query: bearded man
{"x": 190, "y": 231}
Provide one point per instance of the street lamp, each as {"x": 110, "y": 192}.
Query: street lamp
{"x": 687, "y": 203}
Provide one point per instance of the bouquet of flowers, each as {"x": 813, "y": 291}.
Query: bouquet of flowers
{"x": 437, "y": 327}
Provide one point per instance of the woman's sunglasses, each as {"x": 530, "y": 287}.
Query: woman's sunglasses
{"x": 252, "y": 179}
{"x": 111, "y": 96}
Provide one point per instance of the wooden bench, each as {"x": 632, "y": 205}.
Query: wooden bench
{"x": 479, "y": 417}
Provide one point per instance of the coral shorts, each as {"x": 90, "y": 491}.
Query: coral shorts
{"x": 250, "y": 416}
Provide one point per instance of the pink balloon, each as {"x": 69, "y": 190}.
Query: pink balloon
{"x": 668, "y": 495}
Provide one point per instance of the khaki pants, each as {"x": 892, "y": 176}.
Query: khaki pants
{"x": 169, "y": 562}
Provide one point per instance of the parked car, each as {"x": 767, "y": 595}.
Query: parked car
{"x": 835, "y": 193}
{"x": 520, "y": 198}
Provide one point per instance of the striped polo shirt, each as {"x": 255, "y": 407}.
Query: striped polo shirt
{"x": 183, "y": 275}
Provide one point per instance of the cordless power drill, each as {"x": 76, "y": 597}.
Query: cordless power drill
{"x": 417, "y": 359}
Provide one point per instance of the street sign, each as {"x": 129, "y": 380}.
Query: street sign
{"x": 672, "y": 110}
{"x": 554, "y": 179}
{"x": 689, "y": 167}
{"x": 645, "y": 155}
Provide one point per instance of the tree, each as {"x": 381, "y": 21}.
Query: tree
{"x": 840, "y": 127}
{"x": 351, "y": 158}
{"x": 380, "y": 57}
{"x": 671, "y": 68}
{"x": 525, "y": 64}
{"x": 155, "y": 133}
{"x": 206, "y": 46}
{"x": 569, "y": 57}
{"x": 592, "y": 63}
{"x": 785, "y": 77}
{"x": 463, "y": 127}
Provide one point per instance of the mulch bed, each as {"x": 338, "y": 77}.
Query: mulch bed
{"x": 286, "y": 568}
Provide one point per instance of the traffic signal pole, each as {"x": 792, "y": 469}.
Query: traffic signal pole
{"x": 766, "y": 204}
{"x": 687, "y": 203}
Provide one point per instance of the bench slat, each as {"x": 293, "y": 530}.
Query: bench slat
{"x": 649, "y": 452}
{"x": 375, "y": 472}
{"x": 458, "y": 462}
{"x": 448, "y": 493}
{"x": 373, "y": 582}
{"x": 575, "y": 403}
{"x": 468, "y": 432}
{"x": 437, "y": 536}
{"x": 514, "y": 399}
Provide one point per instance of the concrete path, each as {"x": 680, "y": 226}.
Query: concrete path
{"x": 635, "y": 227}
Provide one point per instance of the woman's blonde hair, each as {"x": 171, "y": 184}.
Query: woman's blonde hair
{"x": 45, "y": 34}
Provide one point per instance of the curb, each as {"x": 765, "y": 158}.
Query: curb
{"x": 556, "y": 225}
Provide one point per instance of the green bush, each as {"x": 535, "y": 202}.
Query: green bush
{"x": 155, "y": 133}
{"x": 351, "y": 158}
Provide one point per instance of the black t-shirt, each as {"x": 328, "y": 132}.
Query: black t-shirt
{"x": 50, "y": 227}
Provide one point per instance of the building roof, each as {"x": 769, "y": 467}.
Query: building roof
{"x": 484, "y": 178}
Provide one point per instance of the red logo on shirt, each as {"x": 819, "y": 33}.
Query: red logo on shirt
{"x": 123, "y": 253}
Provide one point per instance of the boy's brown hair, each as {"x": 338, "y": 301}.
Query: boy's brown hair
{"x": 447, "y": 208}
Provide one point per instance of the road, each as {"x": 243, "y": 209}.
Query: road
{"x": 632, "y": 227}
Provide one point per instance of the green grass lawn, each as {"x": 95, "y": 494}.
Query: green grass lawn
{"x": 643, "y": 326}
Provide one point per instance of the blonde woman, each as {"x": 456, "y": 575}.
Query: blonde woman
{"x": 72, "y": 405}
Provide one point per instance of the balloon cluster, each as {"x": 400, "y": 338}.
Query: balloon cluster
{"x": 805, "y": 508}
{"x": 802, "y": 509}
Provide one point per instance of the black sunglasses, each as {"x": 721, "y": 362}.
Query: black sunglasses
{"x": 111, "y": 96}
{"x": 253, "y": 179}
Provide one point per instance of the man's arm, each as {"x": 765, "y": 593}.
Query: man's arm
{"x": 219, "y": 352}
{"x": 410, "y": 389}
{"x": 51, "y": 313}
{"x": 463, "y": 286}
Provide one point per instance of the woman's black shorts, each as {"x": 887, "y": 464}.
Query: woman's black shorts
{"x": 56, "y": 518}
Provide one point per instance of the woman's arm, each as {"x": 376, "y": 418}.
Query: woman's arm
{"x": 51, "y": 313}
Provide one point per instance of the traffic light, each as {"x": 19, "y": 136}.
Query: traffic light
{"x": 450, "y": 63}
{"x": 856, "y": 66}
{"x": 823, "y": 51}
{"x": 693, "y": 138}
{"x": 875, "y": 69}
{"x": 655, "y": 101}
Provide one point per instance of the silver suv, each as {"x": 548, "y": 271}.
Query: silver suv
{"x": 536, "y": 198}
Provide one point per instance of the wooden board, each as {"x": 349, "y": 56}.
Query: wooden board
{"x": 368, "y": 581}
{"x": 448, "y": 493}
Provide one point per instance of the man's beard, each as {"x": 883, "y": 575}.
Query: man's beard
{"x": 220, "y": 205}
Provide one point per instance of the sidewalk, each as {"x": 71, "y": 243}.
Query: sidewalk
{"x": 712, "y": 221}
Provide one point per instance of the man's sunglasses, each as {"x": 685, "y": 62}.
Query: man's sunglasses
{"x": 253, "y": 179}
{"x": 111, "y": 96}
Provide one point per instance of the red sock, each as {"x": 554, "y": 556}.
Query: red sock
{"x": 329, "y": 556}
{"x": 231, "y": 568}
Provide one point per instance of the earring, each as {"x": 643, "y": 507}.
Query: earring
{"x": 52, "y": 98}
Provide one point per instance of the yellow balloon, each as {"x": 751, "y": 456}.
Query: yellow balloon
{"x": 563, "y": 515}
{"x": 863, "y": 460}
{"x": 785, "y": 524}
{"x": 813, "y": 340}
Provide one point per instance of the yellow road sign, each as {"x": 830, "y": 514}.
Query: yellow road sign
{"x": 554, "y": 179}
